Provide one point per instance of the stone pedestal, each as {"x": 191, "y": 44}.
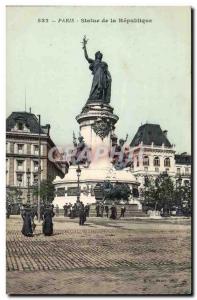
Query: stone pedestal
{"x": 97, "y": 124}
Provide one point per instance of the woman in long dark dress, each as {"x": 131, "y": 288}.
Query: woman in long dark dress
{"x": 113, "y": 212}
{"x": 27, "y": 222}
{"x": 47, "y": 226}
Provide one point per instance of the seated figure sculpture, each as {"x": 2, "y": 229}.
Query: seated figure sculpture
{"x": 80, "y": 152}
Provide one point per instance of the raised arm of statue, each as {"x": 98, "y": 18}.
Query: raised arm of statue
{"x": 84, "y": 42}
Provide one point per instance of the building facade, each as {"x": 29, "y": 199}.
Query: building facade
{"x": 153, "y": 154}
{"x": 22, "y": 155}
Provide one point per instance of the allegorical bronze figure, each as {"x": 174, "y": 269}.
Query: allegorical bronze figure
{"x": 101, "y": 84}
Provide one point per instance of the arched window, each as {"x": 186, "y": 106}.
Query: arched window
{"x": 146, "y": 161}
{"x": 167, "y": 162}
{"x": 156, "y": 161}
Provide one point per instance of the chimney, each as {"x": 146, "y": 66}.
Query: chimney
{"x": 48, "y": 127}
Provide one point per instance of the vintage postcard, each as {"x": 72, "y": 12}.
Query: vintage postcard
{"x": 98, "y": 150}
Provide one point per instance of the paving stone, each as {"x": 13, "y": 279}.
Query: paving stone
{"x": 93, "y": 251}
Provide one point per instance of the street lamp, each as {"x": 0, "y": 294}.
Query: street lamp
{"x": 78, "y": 170}
{"x": 19, "y": 193}
{"x": 28, "y": 185}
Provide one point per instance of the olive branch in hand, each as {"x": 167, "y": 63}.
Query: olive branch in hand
{"x": 84, "y": 42}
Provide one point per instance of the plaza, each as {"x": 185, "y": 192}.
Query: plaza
{"x": 124, "y": 256}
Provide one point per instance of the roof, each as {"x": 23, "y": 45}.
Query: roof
{"x": 30, "y": 121}
{"x": 150, "y": 133}
{"x": 183, "y": 159}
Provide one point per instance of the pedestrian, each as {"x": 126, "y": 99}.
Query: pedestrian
{"x": 107, "y": 211}
{"x": 65, "y": 207}
{"x": 27, "y": 222}
{"x": 122, "y": 211}
{"x": 82, "y": 214}
{"x": 87, "y": 210}
{"x": 57, "y": 210}
{"x": 113, "y": 212}
{"x": 102, "y": 209}
{"x": 22, "y": 210}
{"x": 70, "y": 214}
{"x": 18, "y": 209}
{"x": 42, "y": 209}
{"x": 8, "y": 210}
{"x": 36, "y": 212}
{"x": 47, "y": 226}
{"x": 97, "y": 209}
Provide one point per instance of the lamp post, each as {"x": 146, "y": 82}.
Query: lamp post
{"x": 78, "y": 170}
{"x": 19, "y": 193}
{"x": 28, "y": 185}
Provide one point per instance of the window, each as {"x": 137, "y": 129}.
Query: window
{"x": 146, "y": 161}
{"x": 20, "y": 125}
{"x": 72, "y": 191}
{"x": 167, "y": 162}
{"x": 19, "y": 179}
{"x": 36, "y": 149}
{"x": 20, "y": 165}
{"x": 156, "y": 161}
{"x": 146, "y": 169}
{"x": 156, "y": 169}
{"x": 35, "y": 166}
{"x": 178, "y": 170}
{"x": 60, "y": 192}
{"x": 35, "y": 179}
{"x": 186, "y": 170}
{"x": 20, "y": 148}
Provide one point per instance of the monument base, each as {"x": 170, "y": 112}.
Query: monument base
{"x": 66, "y": 188}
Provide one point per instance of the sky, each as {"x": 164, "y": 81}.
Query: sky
{"x": 149, "y": 64}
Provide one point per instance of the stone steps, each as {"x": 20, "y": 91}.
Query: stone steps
{"x": 130, "y": 211}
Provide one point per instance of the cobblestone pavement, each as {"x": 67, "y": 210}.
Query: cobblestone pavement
{"x": 134, "y": 256}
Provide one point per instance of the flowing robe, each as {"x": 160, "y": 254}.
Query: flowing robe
{"x": 101, "y": 84}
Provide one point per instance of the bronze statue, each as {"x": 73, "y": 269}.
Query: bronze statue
{"x": 101, "y": 84}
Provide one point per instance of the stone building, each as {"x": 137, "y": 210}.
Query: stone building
{"x": 22, "y": 154}
{"x": 154, "y": 154}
